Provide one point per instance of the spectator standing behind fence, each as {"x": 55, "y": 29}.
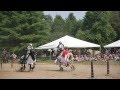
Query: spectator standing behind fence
{"x": 14, "y": 57}
{"x": 4, "y": 56}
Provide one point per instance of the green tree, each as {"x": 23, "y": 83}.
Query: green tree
{"x": 70, "y": 25}
{"x": 18, "y": 28}
{"x": 115, "y": 22}
{"x": 99, "y": 27}
{"x": 77, "y": 27}
{"x": 49, "y": 20}
{"x": 58, "y": 24}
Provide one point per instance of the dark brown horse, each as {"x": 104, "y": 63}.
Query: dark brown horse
{"x": 5, "y": 58}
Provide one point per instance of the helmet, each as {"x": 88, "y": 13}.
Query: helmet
{"x": 30, "y": 44}
{"x": 66, "y": 47}
{"x": 60, "y": 42}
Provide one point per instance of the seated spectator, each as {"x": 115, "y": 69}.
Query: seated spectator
{"x": 76, "y": 58}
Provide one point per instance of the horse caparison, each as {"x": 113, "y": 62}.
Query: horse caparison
{"x": 61, "y": 61}
{"x": 24, "y": 59}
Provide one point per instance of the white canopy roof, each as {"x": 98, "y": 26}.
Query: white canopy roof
{"x": 69, "y": 42}
{"x": 114, "y": 44}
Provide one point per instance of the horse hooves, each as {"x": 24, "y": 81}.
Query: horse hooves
{"x": 22, "y": 69}
{"x": 61, "y": 69}
{"x": 72, "y": 68}
{"x": 32, "y": 68}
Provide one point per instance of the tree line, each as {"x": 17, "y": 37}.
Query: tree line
{"x": 19, "y": 28}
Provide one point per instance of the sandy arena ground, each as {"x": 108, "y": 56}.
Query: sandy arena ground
{"x": 51, "y": 71}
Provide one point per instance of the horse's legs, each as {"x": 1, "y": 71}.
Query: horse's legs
{"x": 72, "y": 67}
{"x": 6, "y": 60}
{"x": 33, "y": 66}
{"x": 3, "y": 60}
{"x": 21, "y": 69}
{"x": 30, "y": 67}
{"x": 61, "y": 68}
{"x": 24, "y": 67}
{"x": 11, "y": 63}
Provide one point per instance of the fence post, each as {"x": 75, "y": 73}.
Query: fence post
{"x": 92, "y": 69}
{"x": 11, "y": 63}
{"x": 1, "y": 63}
{"x": 108, "y": 71}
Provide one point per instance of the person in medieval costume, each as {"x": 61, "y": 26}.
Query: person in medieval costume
{"x": 30, "y": 54}
{"x": 30, "y": 47}
{"x": 60, "y": 48}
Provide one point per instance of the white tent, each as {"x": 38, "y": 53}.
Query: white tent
{"x": 69, "y": 42}
{"x": 114, "y": 44}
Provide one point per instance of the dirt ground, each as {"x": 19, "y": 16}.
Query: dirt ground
{"x": 51, "y": 71}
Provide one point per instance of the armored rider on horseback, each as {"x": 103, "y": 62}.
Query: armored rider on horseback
{"x": 30, "y": 47}
{"x": 28, "y": 57}
{"x": 30, "y": 51}
{"x": 60, "y": 48}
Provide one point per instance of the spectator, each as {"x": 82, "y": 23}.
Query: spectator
{"x": 14, "y": 57}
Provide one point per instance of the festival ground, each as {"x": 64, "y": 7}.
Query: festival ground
{"x": 51, "y": 71}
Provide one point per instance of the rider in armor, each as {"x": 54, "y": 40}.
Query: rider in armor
{"x": 30, "y": 51}
{"x": 60, "y": 48}
{"x": 30, "y": 47}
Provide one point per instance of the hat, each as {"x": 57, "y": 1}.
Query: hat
{"x": 60, "y": 42}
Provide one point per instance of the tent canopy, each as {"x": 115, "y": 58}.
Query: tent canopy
{"x": 114, "y": 44}
{"x": 69, "y": 42}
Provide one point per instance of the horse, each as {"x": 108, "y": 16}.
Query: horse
{"x": 65, "y": 61}
{"x": 5, "y": 58}
{"x": 29, "y": 59}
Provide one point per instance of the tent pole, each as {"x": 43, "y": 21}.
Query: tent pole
{"x": 50, "y": 55}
